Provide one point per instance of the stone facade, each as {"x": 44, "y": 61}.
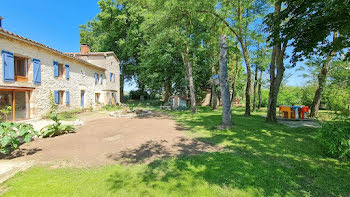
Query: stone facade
{"x": 81, "y": 78}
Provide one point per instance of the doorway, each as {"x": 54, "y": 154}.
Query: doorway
{"x": 19, "y": 101}
{"x": 82, "y": 99}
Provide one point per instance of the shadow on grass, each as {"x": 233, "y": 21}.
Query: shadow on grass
{"x": 260, "y": 159}
{"x": 160, "y": 149}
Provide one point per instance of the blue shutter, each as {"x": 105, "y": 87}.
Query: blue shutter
{"x": 67, "y": 71}
{"x": 8, "y": 66}
{"x": 95, "y": 78}
{"x": 55, "y": 69}
{"x": 110, "y": 76}
{"x": 113, "y": 77}
{"x": 36, "y": 71}
{"x": 67, "y": 97}
{"x": 56, "y": 96}
{"x": 101, "y": 76}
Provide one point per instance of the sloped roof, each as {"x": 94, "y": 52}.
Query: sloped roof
{"x": 32, "y": 42}
{"x": 94, "y": 54}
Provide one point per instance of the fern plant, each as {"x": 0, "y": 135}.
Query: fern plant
{"x": 56, "y": 128}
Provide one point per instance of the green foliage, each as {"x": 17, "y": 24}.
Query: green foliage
{"x": 56, "y": 128}
{"x": 111, "y": 108}
{"x": 252, "y": 159}
{"x": 68, "y": 115}
{"x": 13, "y": 134}
{"x": 53, "y": 105}
{"x": 290, "y": 95}
{"x": 335, "y": 137}
{"x": 309, "y": 24}
{"x": 182, "y": 108}
{"x": 4, "y": 113}
{"x": 338, "y": 99}
{"x": 136, "y": 94}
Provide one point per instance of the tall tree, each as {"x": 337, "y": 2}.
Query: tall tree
{"x": 310, "y": 25}
{"x": 225, "y": 92}
{"x": 322, "y": 78}
{"x": 116, "y": 28}
{"x": 242, "y": 13}
{"x": 277, "y": 65}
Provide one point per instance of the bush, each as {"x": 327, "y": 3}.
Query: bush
{"x": 56, "y": 128}
{"x": 335, "y": 137}
{"x": 182, "y": 108}
{"x": 111, "y": 107}
{"x": 136, "y": 95}
{"x": 13, "y": 134}
{"x": 5, "y": 112}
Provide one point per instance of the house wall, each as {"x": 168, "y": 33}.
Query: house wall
{"x": 81, "y": 77}
{"x": 112, "y": 65}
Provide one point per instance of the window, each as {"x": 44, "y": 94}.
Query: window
{"x": 21, "y": 68}
{"x": 82, "y": 72}
{"x": 61, "y": 70}
{"x": 97, "y": 78}
{"x": 97, "y": 98}
{"x": 60, "y": 97}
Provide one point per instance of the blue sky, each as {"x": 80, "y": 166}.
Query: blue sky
{"x": 56, "y": 23}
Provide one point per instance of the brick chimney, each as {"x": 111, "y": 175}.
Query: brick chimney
{"x": 1, "y": 21}
{"x": 84, "y": 49}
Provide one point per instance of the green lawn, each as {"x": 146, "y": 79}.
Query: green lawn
{"x": 259, "y": 159}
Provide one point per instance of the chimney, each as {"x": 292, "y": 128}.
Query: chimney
{"x": 84, "y": 49}
{"x": 1, "y": 21}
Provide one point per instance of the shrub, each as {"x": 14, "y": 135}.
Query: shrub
{"x": 111, "y": 107}
{"x": 335, "y": 137}
{"x": 5, "y": 112}
{"x": 13, "y": 134}
{"x": 182, "y": 108}
{"x": 56, "y": 128}
{"x": 136, "y": 94}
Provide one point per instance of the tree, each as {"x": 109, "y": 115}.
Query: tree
{"x": 225, "y": 93}
{"x": 322, "y": 77}
{"x": 160, "y": 64}
{"x": 310, "y": 25}
{"x": 277, "y": 65}
{"x": 116, "y": 28}
{"x": 241, "y": 14}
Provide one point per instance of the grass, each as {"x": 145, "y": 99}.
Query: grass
{"x": 258, "y": 159}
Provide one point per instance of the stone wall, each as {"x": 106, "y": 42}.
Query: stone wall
{"x": 81, "y": 77}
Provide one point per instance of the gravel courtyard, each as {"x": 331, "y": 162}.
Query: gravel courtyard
{"x": 107, "y": 140}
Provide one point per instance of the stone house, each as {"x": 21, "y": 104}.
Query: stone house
{"x": 30, "y": 72}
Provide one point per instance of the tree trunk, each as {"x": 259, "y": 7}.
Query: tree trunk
{"x": 121, "y": 88}
{"x": 249, "y": 81}
{"x": 255, "y": 86}
{"x": 246, "y": 60}
{"x": 259, "y": 89}
{"x": 322, "y": 78}
{"x": 225, "y": 92}
{"x": 276, "y": 62}
{"x": 167, "y": 91}
{"x": 213, "y": 95}
{"x": 188, "y": 65}
{"x": 235, "y": 75}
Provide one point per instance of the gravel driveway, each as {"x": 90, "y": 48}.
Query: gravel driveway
{"x": 106, "y": 140}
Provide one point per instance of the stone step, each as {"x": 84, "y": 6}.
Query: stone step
{"x": 9, "y": 169}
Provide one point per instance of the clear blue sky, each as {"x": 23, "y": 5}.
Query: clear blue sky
{"x": 56, "y": 23}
